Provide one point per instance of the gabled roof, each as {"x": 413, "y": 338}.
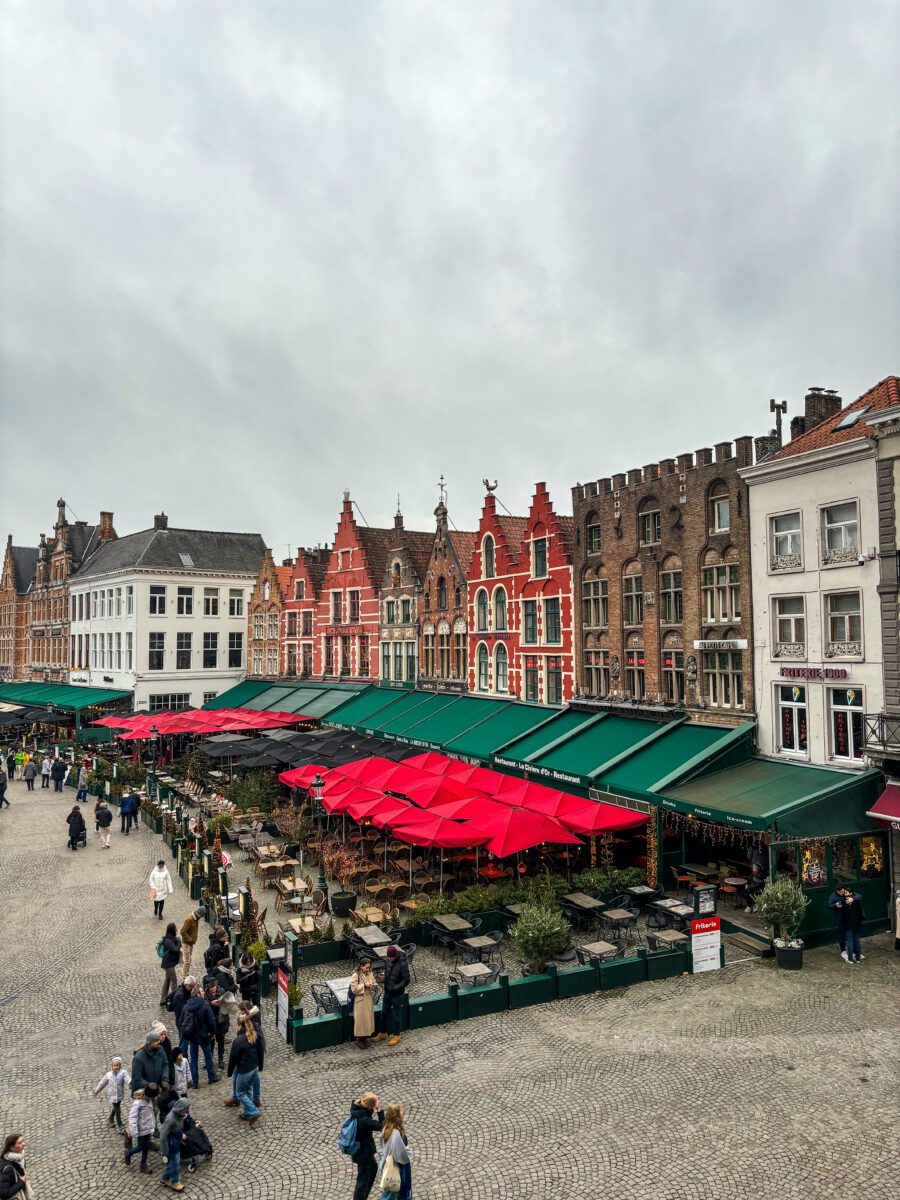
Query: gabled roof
{"x": 419, "y": 546}
{"x": 24, "y": 561}
{"x": 463, "y": 543}
{"x": 514, "y": 531}
{"x": 377, "y": 544}
{"x": 885, "y": 394}
{"x": 567, "y": 532}
{"x": 83, "y": 541}
{"x": 284, "y": 579}
{"x": 194, "y": 550}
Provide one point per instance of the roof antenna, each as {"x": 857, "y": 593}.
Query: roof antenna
{"x": 778, "y": 409}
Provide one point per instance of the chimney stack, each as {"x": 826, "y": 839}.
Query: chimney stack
{"x": 160, "y": 521}
{"x": 819, "y": 405}
{"x": 106, "y": 526}
{"x": 798, "y": 426}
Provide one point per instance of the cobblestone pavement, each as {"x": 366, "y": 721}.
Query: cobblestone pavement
{"x": 749, "y": 1081}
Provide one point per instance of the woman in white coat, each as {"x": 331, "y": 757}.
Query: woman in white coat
{"x": 160, "y": 887}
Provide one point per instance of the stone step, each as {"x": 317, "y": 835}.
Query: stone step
{"x": 745, "y": 941}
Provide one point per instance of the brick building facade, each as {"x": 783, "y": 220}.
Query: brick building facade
{"x": 401, "y": 592}
{"x": 347, "y": 613}
{"x": 444, "y": 633}
{"x": 662, "y": 570}
{"x": 48, "y": 655}
{"x": 521, "y": 630}
{"x": 299, "y": 612}
{"x": 16, "y": 577}
{"x": 264, "y": 617}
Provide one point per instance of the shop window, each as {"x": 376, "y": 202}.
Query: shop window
{"x": 554, "y": 680}
{"x": 792, "y": 719}
{"x": 398, "y": 661}
{"x": 532, "y": 676}
{"x": 846, "y": 723}
{"x": 461, "y": 655}
{"x": 443, "y": 655}
{"x": 812, "y": 860}
{"x": 386, "y": 657}
{"x": 843, "y": 860}
{"x": 596, "y": 672}
{"x": 871, "y": 856}
{"x": 723, "y": 679}
{"x": 634, "y": 673}
{"x": 786, "y": 863}
{"x": 429, "y": 654}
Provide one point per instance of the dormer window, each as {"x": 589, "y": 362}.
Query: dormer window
{"x": 539, "y": 558}
{"x": 488, "y": 569}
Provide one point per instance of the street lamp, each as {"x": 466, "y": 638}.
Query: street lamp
{"x": 317, "y": 791}
{"x": 154, "y": 736}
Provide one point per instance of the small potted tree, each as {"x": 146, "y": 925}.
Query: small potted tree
{"x": 782, "y": 904}
{"x": 540, "y": 933}
{"x": 339, "y": 862}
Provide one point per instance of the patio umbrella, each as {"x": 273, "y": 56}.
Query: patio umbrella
{"x": 436, "y": 764}
{"x": 471, "y": 809}
{"x": 593, "y": 818}
{"x": 261, "y": 760}
{"x": 428, "y": 790}
{"x": 438, "y": 831}
{"x": 489, "y": 782}
{"x": 552, "y": 803}
{"x": 302, "y": 777}
{"x": 363, "y": 770}
{"x": 518, "y": 829}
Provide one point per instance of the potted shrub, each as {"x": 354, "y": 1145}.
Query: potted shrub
{"x": 339, "y": 862}
{"x": 782, "y": 904}
{"x": 540, "y": 933}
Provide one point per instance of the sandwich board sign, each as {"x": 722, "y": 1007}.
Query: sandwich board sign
{"x": 706, "y": 943}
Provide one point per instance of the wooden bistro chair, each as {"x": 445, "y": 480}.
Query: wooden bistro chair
{"x": 682, "y": 881}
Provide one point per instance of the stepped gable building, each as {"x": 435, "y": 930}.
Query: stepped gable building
{"x": 443, "y": 644}
{"x": 299, "y": 614}
{"x": 163, "y": 613}
{"x": 662, "y": 572}
{"x": 347, "y": 613}
{"x": 401, "y": 591}
{"x": 50, "y": 655}
{"x": 520, "y": 608}
{"x": 264, "y": 612}
{"x": 16, "y": 577}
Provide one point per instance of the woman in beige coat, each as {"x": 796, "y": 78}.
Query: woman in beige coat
{"x": 362, "y": 985}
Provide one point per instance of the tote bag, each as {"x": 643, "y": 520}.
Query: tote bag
{"x": 390, "y": 1176}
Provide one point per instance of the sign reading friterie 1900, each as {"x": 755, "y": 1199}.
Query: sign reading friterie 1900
{"x": 706, "y": 942}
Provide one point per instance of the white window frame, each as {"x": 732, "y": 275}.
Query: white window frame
{"x": 793, "y": 647}
{"x": 184, "y": 601}
{"x": 210, "y": 601}
{"x": 157, "y": 593}
{"x": 721, "y": 598}
{"x": 798, "y": 706}
{"x": 781, "y": 557}
{"x": 235, "y": 603}
{"x": 722, "y": 678}
{"x": 831, "y": 708}
{"x": 129, "y": 600}
{"x": 848, "y": 551}
{"x": 716, "y": 502}
{"x": 501, "y": 653}
{"x": 843, "y": 646}
{"x": 650, "y": 521}
{"x": 482, "y": 660}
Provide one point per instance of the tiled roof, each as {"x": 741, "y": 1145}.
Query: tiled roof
{"x": 514, "y": 531}
{"x": 567, "y": 530}
{"x": 83, "y": 540}
{"x": 316, "y": 567}
{"x": 162, "y": 549}
{"x": 284, "y": 579}
{"x": 419, "y": 545}
{"x": 377, "y": 544}
{"x": 464, "y": 544}
{"x": 883, "y": 395}
{"x": 24, "y": 559}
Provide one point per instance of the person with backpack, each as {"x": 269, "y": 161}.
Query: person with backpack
{"x": 396, "y": 981}
{"x": 104, "y": 820}
{"x": 77, "y": 827}
{"x": 169, "y": 950}
{"x": 197, "y": 1028}
{"x": 216, "y": 950}
{"x": 356, "y": 1139}
{"x": 58, "y": 771}
{"x": 180, "y": 997}
{"x": 248, "y": 979}
{"x": 160, "y": 887}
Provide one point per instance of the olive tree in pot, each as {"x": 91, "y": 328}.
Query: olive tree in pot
{"x": 339, "y": 862}
{"x": 540, "y": 933}
{"x": 782, "y": 904}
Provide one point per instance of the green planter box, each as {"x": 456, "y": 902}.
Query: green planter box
{"x": 314, "y": 1033}
{"x": 477, "y": 1001}
{"x": 432, "y": 1010}
{"x": 532, "y": 989}
{"x": 578, "y": 981}
{"x": 621, "y": 972}
{"x": 667, "y": 964}
{"x": 196, "y": 887}
{"x": 322, "y": 952}
{"x": 156, "y": 824}
{"x": 492, "y": 921}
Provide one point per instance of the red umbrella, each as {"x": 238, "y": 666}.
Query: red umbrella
{"x": 594, "y": 818}
{"x": 429, "y": 790}
{"x": 386, "y": 816}
{"x": 302, "y": 777}
{"x": 113, "y": 722}
{"x": 339, "y": 801}
{"x": 467, "y": 810}
{"x": 552, "y": 803}
{"x": 374, "y": 805}
{"x": 518, "y": 829}
{"x": 490, "y": 782}
{"x": 438, "y": 831}
{"x": 365, "y": 770}
{"x": 437, "y": 764}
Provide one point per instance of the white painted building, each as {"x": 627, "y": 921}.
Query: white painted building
{"x": 163, "y": 613}
{"x": 815, "y": 575}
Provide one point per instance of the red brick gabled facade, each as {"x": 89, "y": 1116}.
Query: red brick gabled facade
{"x": 15, "y": 582}
{"x": 346, "y": 621}
{"x": 444, "y": 638}
{"x": 520, "y": 604}
{"x": 299, "y": 615}
{"x": 264, "y": 624}
{"x": 401, "y": 592}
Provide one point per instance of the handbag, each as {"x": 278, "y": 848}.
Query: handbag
{"x": 390, "y": 1176}
{"x": 153, "y": 893}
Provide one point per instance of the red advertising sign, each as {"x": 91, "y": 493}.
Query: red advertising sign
{"x": 706, "y": 925}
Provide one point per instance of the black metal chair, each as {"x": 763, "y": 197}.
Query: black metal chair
{"x": 326, "y": 1001}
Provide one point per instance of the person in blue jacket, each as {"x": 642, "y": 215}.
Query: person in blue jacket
{"x": 198, "y": 1028}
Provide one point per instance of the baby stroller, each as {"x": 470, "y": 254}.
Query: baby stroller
{"x": 195, "y": 1146}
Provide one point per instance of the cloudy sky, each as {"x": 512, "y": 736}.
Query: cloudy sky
{"x": 253, "y": 252}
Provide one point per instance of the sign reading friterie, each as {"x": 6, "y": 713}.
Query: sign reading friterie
{"x": 814, "y": 673}
{"x": 706, "y": 942}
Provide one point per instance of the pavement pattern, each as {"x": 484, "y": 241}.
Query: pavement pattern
{"x": 747, "y": 1081}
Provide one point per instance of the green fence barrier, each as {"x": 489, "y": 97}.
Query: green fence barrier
{"x": 478, "y": 1001}
{"x": 578, "y": 981}
{"x": 532, "y": 989}
{"x": 433, "y": 1010}
{"x": 314, "y": 1033}
{"x": 666, "y": 964}
{"x": 621, "y": 972}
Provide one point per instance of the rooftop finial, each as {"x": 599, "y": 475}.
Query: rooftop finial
{"x": 443, "y": 490}
{"x": 489, "y": 487}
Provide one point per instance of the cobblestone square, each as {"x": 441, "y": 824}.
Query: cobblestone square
{"x": 744, "y": 1082}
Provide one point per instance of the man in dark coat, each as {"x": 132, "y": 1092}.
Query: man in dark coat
{"x": 127, "y": 808}
{"x": 396, "y": 981}
{"x": 150, "y": 1064}
{"x": 76, "y": 825}
{"x": 180, "y": 997}
{"x": 198, "y": 1028}
{"x": 4, "y": 779}
{"x": 58, "y": 773}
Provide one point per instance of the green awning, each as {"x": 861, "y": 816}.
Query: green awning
{"x": 441, "y": 725}
{"x": 64, "y": 696}
{"x": 670, "y": 754}
{"x": 319, "y": 703}
{"x": 532, "y": 744}
{"x": 795, "y": 800}
{"x": 509, "y": 721}
{"x": 406, "y": 726}
{"x": 272, "y": 698}
{"x": 312, "y": 698}
{"x": 239, "y": 696}
{"x": 388, "y": 721}
{"x": 365, "y": 706}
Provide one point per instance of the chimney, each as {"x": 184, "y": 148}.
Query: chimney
{"x": 685, "y": 463}
{"x": 723, "y": 451}
{"x": 287, "y": 562}
{"x": 160, "y": 521}
{"x": 60, "y": 512}
{"x": 398, "y": 520}
{"x": 766, "y": 444}
{"x": 106, "y": 526}
{"x": 743, "y": 449}
{"x": 798, "y": 427}
{"x": 819, "y": 405}
{"x": 348, "y": 503}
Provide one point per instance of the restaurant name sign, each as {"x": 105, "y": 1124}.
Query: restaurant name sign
{"x": 725, "y": 644}
{"x": 814, "y": 673}
{"x": 539, "y": 772}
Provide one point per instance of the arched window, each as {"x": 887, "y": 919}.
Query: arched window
{"x": 649, "y": 522}
{"x": 481, "y": 610}
{"x": 488, "y": 569}
{"x": 483, "y": 673}
{"x": 442, "y": 593}
{"x": 500, "y": 608}
{"x": 457, "y": 598}
{"x": 501, "y": 669}
{"x": 719, "y": 508}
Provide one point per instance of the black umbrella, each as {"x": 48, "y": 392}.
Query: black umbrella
{"x": 228, "y": 749}
{"x": 260, "y": 760}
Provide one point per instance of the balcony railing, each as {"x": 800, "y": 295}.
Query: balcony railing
{"x": 883, "y": 729}
{"x": 790, "y": 650}
{"x": 844, "y": 650}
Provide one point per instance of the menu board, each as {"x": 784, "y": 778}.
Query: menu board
{"x": 705, "y": 900}
{"x": 282, "y": 1007}
{"x": 706, "y": 942}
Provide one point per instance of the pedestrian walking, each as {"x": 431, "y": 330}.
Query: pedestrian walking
{"x": 14, "y": 1179}
{"x": 362, "y": 989}
{"x": 182, "y": 1072}
{"x": 395, "y": 1167}
{"x": 190, "y": 931}
{"x": 160, "y": 887}
{"x": 58, "y": 772}
{"x": 141, "y": 1123}
{"x": 250, "y": 1013}
{"x": 11, "y": 764}
{"x": 852, "y": 917}
{"x": 197, "y": 1027}
{"x": 115, "y": 1081}
{"x": 396, "y": 981}
{"x": 45, "y": 772}
{"x": 149, "y": 1064}
{"x": 369, "y": 1118}
{"x": 29, "y": 774}
{"x": 104, "y": 821}
{"x": 169, "y": 950}
{"x": 3, "y": 782}
{"x": 245, "y": 1062}
{"x": 83, "y": 780}
{"x": 77, "y": 828}
{"x": 127, "y": 808}
{"x": 171, "y": 1136}
{"x": 20, "y": 763}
